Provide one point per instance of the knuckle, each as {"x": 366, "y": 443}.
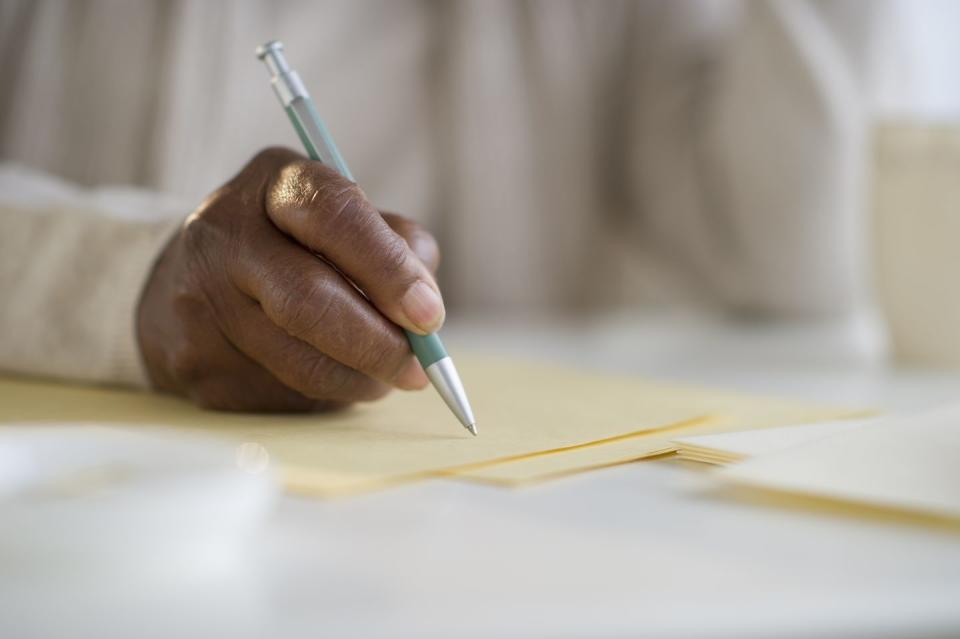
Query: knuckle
{"x": 417, "y": 237}
{"x": 305, "y": 185}
{"x": 348, "y": 202}
{"x": 304, "y": 307}
{"x": 380, "y": 359}
{"x": 394, "y": 255}
{"x": 297, "y": 172}
{"x": 324, "y": 378}
{"x": 340, "y": 206}
{"x": 196, "y": 230}
{"x": 208, "y": 230}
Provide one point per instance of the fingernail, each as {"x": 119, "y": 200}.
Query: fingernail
{"x": 412, "y": 377}
{"x": 423, "y": 307}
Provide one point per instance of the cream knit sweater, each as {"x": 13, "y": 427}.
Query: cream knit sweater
{"x": 569, "y": 156}
{"x": 72, "y": 266}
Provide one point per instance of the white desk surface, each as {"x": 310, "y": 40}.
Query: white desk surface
{"x": 644, "y": 549}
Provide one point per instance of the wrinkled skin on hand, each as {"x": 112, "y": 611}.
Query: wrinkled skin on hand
{"x": 252, "y": 304}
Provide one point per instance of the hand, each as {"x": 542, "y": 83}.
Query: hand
{"x": 240, "y": 313}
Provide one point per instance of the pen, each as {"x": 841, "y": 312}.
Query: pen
{"x": 313, "y": 133}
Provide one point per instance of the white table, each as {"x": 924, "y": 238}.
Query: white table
{"x": 644, "y": 549}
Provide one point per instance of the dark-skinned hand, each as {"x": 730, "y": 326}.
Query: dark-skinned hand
{"x": 252, "y": 304}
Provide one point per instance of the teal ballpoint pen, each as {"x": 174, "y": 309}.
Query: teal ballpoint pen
{"x": 313, "y": 133}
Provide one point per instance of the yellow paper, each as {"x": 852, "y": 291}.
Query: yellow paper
{"x": 905, "y": 463}
{"x": 521, "y": 409}
{"x": 727, "y": 448}
{"x": 729, "y": 411}
{"x": 562, "y": 420}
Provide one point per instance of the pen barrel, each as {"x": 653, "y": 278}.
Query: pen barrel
{"x": 428, "y": 348}
{"x": 319, "y": 145}
{"x": 315, "y": 137}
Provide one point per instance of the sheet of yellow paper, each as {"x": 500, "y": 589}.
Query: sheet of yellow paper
{"x": 730, "y": 411}
{"x": 909, "y": 463}
{"x": 521, "y": 409}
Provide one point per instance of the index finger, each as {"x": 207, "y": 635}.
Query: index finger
{"x": 331, "y": 216}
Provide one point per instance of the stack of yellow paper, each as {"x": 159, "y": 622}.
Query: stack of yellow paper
{"x": 726, "y": 412}
{"x": 535, "y": 421}
{"x": 727, "y": 448}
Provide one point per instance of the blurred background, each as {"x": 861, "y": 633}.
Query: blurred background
{"x": 744, "y": 159}
{"x": 761, "y": 195}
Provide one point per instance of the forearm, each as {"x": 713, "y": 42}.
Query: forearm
{"x": 71, "y": 269}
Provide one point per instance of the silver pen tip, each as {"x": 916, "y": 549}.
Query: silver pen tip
{"x": 443, "y": 375}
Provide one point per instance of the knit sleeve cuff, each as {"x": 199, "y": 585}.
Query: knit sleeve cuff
{"x": 125, "y": 364}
